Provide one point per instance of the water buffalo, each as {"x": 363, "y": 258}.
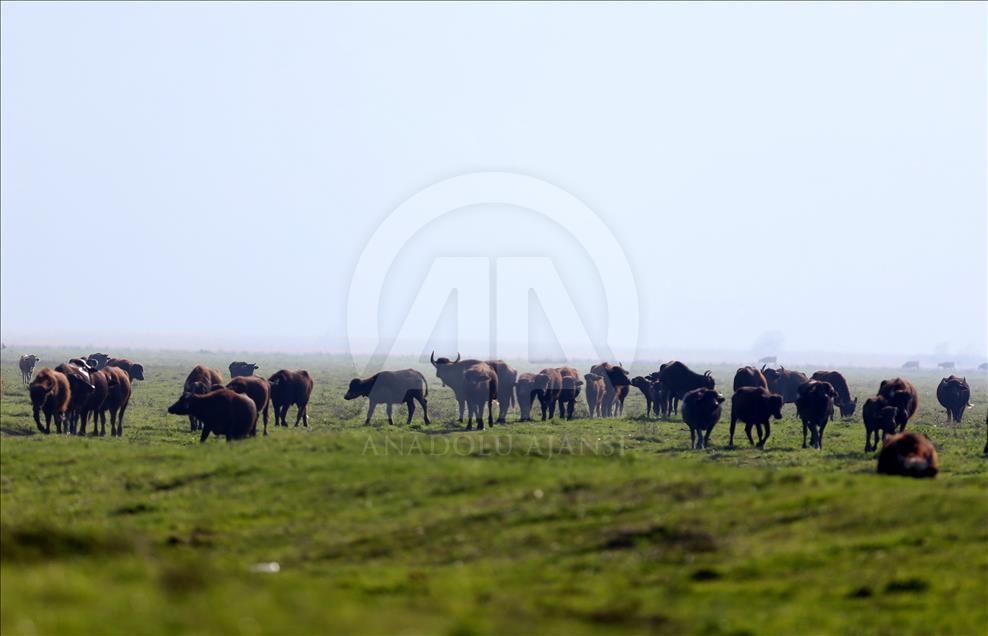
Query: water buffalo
{"x": 96, "y": 399}
{"x": 201, "y": 380}
{"x": 815, "y": 407}
{"x": 451, "y": 374}
{"x": 785, "y": 383}
{"x": 844, "y": 402}
{"x": 221, "y": 411}
{"x": 911, "y": 364}
{"x": 946, "y": 365}
{"x": 568, "y": 395}
{"x": 954, "y": 394}
{"x": 239, "y": 369}
{"x": 288, "y": 388}
{"x": 983, "y": 366}
{"x": 81, "y": 386}
{"x": 480, "y": 388}
{"x": 98, "y": 360}
{"x": 749, "y": 376}
{"x": 701, "y": 411}
{"x": 134, "y": 370}
{"x": 616, "y": 387}
{"x": 524, "y": 387}
{"x": 595, "y": 389}
{"x": 755, "y": 406}
{"x": 257, "y": 389}
{"x": 677, "y": 380}
{"x": 909, "y": 455}
{"x": 26, "y": 364}
{"x": 768, "y": 360}
{"x": 548, "y": 385}
{"x": 389, "y": 388}
{"x": 901, "y": 394}
{"x": 879, "y": 421}
{"x": 50, "y": 394}
{"x": 117, "y": 398}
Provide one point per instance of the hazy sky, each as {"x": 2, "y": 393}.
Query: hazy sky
{"x": 811, "y": 176}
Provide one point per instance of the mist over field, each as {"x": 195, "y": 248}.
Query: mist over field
{"x": 801, "y": 180}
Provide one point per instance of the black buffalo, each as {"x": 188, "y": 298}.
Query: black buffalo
{"x": 389, "y": 388}
{"x": 701, "y": 411}
{"x": 845, "y": 403}
{"x": 677, "y": 380}
{"x": 239, "y": 369}
{"x": 749, "y": 376}
{"x": 879, "y": 421}
{"x": 954, "y": 394}
{"x": 755, "y": 406}
{"x": 815, "y": 407}
{"x": 785, "y": 383}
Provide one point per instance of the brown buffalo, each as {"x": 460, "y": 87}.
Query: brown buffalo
{"x": 117, "y": 398}
{"x": 200, "y": 381}
{"x": 96, "y": 399}
{"x": 879, "y": 421}
{"x": 390, "y": 388}
{"x": 81, "y": 386}
{"x": 701, "y": 411}
{"x": 815, "y": 407}
{"x": 785, "y": 382}
{"x": 524, "y": 389}
{"x": 135, "y": 371}
{"x": 480, "y": 388}
{"x": 288, "y": 388}
{"x": 616, "y": 387}
{"x": 954, "y": 394}
{"x": 26, "y": 364}
{"x": 50, "y": 394}
{"x": 909, "y": 455}
{"x": 749, "y": 376}
{"x": 755, "y": 406}
{"x": 222, "y": 412}
{"x": 568, "y": 395}
{"x": 595, "y": 389}
{"x": 548, "y": 385}
{"x": 257, "y": 389}
{"x": 901, "y": 394}
{"x": 844, "y": 402}
{"x": 451, "y": 374}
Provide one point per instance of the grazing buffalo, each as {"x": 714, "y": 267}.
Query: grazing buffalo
{"x": 616, "y": 387}
{"x": 749, "y": 376}
{"x": 201, "y": 380}
{"x": 568, "y": 395}
{"x": 50, "y": 394}
{"x": 257, "y": 389}
{"x": 954, "y": 394}
{"x": 815, "y": 407}
{"x": 27, "y": 364}
{"x": 946, "y": 365}
{"x": 879, "y": 421}
{"x": 389, "y": 388}
{"x": 901, "y": 394}
{"x": 238, "y": 369}
{"x": 785, "y": 383}
{"x": 548, "y": 385}
{"x": 98, "y": 360}
{"x": 117, "y": 398}
{"x": 983, "y": 366}
{"x": 222, "y": 412}
{"x": 768, "y": 360}
{"x": 451, "y": 374}
{"x": 595, "y": 389}
{"x": 755, "y": 406}
{"x": 844, "y": 402}
{"x": 480, "y": 388}
{"x": 524, "y": 388}
{"x": 909, "y": 455}
{"x": 677, "y": 380}
{"x": 911, "y": 364}
{"x": 96, "y": 399}
{"x": 651, "y": 390}
{"x": 134, "y": 370}
{"x": 81, "y": 386}
{"x": 701, "y": 411}
{"x": 288, "y": 388}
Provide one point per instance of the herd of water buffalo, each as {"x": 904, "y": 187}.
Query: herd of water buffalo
{"x": 98, "y": 384}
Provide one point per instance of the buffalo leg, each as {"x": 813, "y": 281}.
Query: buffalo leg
{"x": 205, "y": 433}
{"x": 123, "y": 409}
{"x": 490, "y": 412}
{"x": 37, "y": 420}
{"x": 266, "y": 417}
{"x": 460, "y": 404}
{"x": 692, "y": 438}
{"x": 747, "y": 431}
{"x": 819, "y": 438}
{"x": 768, "y": 431}
{"x": 425, "y": 405}
{"x": 305, "y": 414}
{"x": 410, "y": 403}
{"x": 734, "y": 421}
{"x": 706, "y": 437}
{"x": 390, "y": 419}
{"x": 805, "y": 428}
{"x": 102, "y": 422}
{"x": 370, "y": 412}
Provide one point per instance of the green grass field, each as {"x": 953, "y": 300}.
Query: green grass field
{"x": 587, "y": 526}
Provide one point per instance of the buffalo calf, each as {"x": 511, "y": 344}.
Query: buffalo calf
{"x": 288, "y": 388}
{"x": 901, "y": 394}
{"x": 568, "y": 394}
{"x": 701, "y": 411}
{"x": 755, "y": 406}
{"x": 595, "y": 390}
{"x": 524, "y": 390}
{"x": 390, "y": 388}
{"x": 815, "y": 407}
{"x": 879, "y": 421}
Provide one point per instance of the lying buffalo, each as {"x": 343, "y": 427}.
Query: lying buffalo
{"x": 389, "y": 388}
{"x": 909, "y": 455}
{"x": 701, "y": 411}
